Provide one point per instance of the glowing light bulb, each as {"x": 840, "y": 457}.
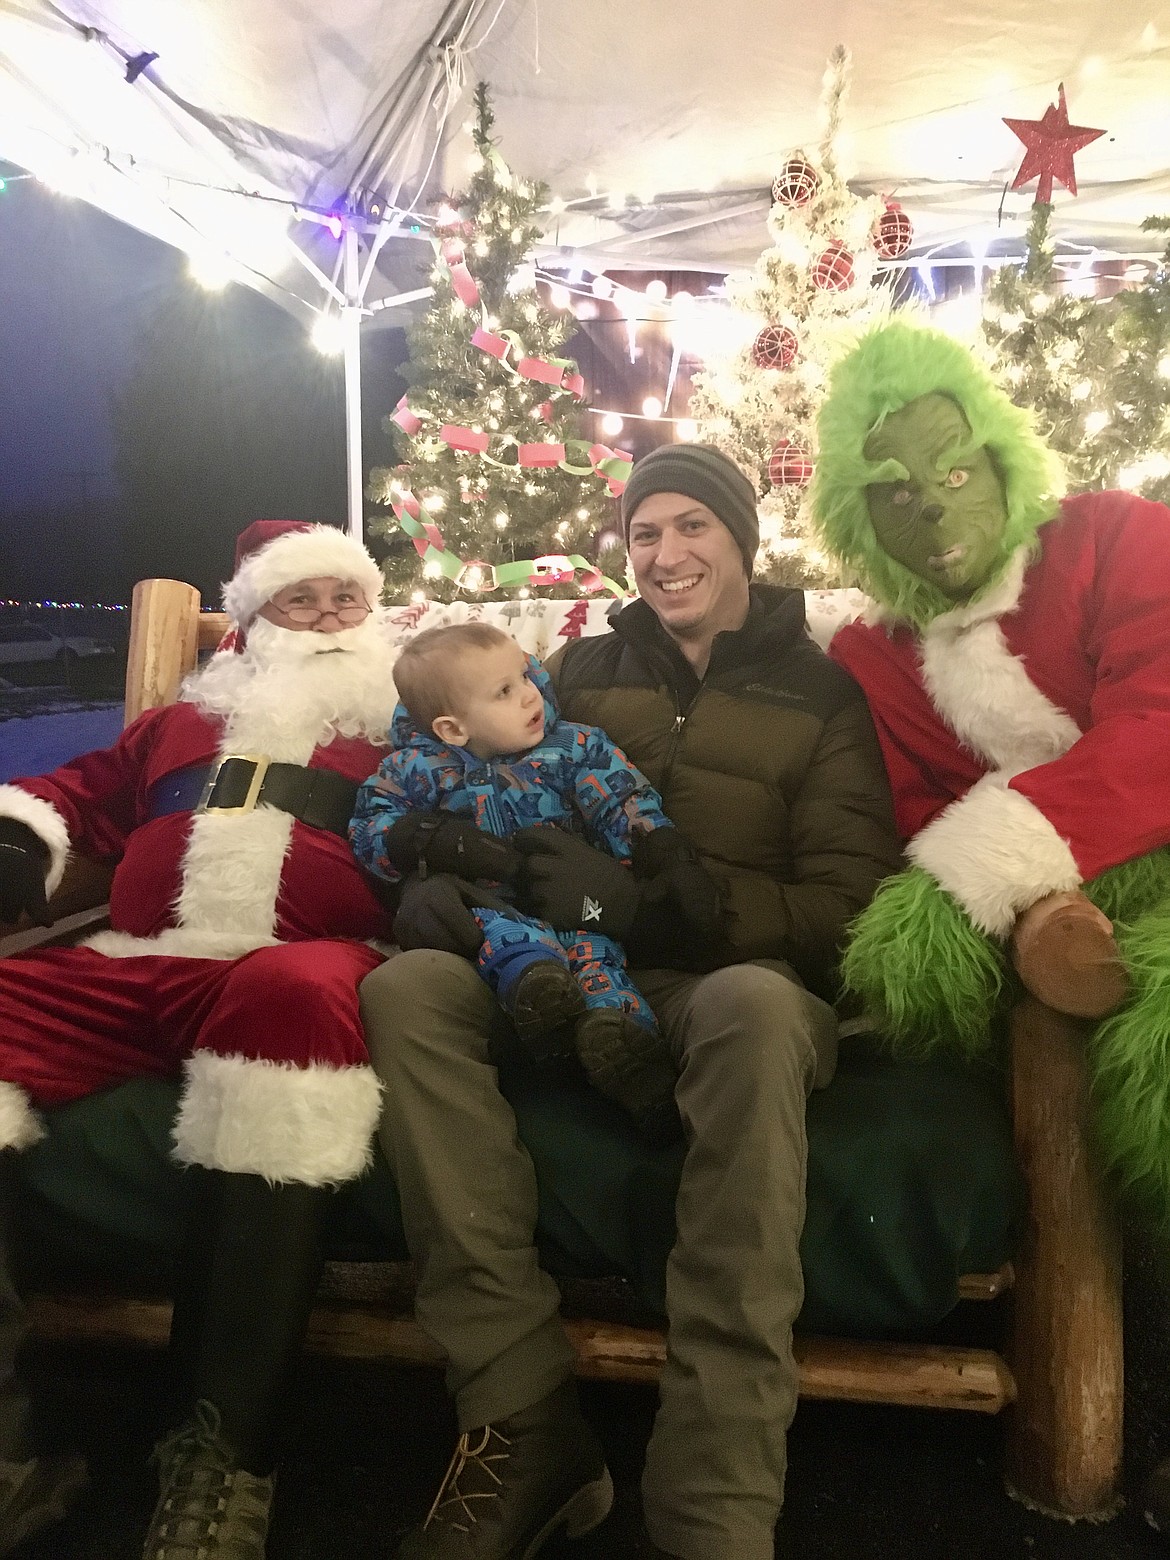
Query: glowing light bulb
{"x": 559, "y": 297}
{"x": 1095, "y": 422}
{"x": 582, "y": 514}
{"x": 434, "y": 503}
{"x": 602, "y": 287}
{"x": 472, "y": 578}
{"x": 328, "y": 334}
{"x": 1041, "y": 303}
{"x": 683, "y": 302}
{"x": 556, "y": 205}
{"x": 501, "y": 521}
{"x": 611, "y": 424}
{"x": 652, "y": 407}
{"x": 525, "y": 593}
{"x": 481, "y": 247}
{"x": 687, "y": 429}
{"x": 210, "y": 268}
{"x": 432, "y": 570}
{"x": 1081, "y": 391}
{"x": 1164, "y": 366}
{"x": 418, "y": 596}
{"x": 656, "y": 290}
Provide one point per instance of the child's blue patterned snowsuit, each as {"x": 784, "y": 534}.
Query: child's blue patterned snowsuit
{"x": 574, "y": 778}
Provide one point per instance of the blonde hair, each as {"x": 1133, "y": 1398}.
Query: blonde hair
{"x": 427, "y": 671}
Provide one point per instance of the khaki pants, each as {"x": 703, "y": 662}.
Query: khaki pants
{"x": 750, "y": 1042}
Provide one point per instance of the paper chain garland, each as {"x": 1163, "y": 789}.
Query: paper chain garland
{"x": 576, "y": 456}
{"x": 478, "y": 575}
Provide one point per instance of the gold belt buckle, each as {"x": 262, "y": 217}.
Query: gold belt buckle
{"x": 261, "y": 761}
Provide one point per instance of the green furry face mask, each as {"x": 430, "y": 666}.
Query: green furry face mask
{"x": 938, "y": 507}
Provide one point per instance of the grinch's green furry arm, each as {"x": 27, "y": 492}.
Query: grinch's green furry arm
{"x": 928, "y": 977}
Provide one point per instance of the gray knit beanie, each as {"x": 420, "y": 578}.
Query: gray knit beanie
{"x": 701, "y": 472}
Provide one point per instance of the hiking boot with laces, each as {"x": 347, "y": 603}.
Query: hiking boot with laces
{"x": 511, "y": 1486}
{"x": 37, "y": 1493}
{"x": 208, "y": 1509}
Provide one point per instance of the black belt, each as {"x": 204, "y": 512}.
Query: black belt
{"x": 239, "y": 782}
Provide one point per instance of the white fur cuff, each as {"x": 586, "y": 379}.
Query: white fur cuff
{"x": 19, "y": 1127}
{"x": 45, "y": 822}
{"x": 308, "y": 1124}
{"x": 996, "y": 853}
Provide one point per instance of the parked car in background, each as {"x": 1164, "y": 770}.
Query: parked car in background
{"x": 23, "y": 644}
{"x": 33, "y": 646}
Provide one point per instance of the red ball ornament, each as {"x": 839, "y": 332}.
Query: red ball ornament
{"x": 790, "y": 465}
{"x": 796, "y": 183}
{"x": 775, "y": 347}
{"x": 833, "y": 269}
{"x": 893, "y": 233}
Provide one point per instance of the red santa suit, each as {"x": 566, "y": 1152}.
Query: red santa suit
{"x": 237, "y": 938}
{"x": 1027, "y": 734}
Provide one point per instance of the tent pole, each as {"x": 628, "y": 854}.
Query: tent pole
{"x": 351, "y": 325}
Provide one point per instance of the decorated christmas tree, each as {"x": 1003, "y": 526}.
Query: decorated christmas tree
{"x": 1053, "y": 349}
{"x": 1135, "y": 442}
{"x": 803, "y": 301}
{"x": 495, "y": 492}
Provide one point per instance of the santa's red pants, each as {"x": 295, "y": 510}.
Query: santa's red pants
{"x": 73, "y": 1021}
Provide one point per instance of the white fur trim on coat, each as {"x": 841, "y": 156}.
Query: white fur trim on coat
{"x": 19, "y": 1127}
{"x": 996, "y": 853}
{"x": 309, "y": 1124}
{"x": 178, "y": 942}
{"x": 45, "y": 822}
{"x": 320, "y": 551}
{"x": 986, "y": 697}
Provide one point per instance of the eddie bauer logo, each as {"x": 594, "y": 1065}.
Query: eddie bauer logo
{"x": 590, "y": 910}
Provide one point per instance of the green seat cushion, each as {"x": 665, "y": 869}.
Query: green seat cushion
{"x": 912, "y": 1183}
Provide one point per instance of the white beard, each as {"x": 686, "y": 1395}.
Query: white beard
{"x": 290, "y": 692}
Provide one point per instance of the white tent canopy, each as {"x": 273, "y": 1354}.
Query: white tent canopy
{"x": 659, "y": 125}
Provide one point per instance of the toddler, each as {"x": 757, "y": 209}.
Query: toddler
{"x": 477, "y": 740}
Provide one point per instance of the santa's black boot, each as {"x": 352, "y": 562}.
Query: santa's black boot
{"x": 36, "y": 1488}
{"x": 251, "y": 1271}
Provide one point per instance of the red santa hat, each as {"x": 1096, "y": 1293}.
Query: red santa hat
{"x": 271, "y": 554}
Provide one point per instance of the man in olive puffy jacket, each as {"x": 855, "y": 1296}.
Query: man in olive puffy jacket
{"x": 766, "y": 758}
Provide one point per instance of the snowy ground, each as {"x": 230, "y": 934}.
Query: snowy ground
{"x": 45, "y": 734}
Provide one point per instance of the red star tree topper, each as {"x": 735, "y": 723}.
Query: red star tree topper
{"x": 1051, "y": 142}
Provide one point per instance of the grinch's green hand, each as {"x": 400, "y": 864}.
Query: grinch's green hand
{"x": 923, "y": 971}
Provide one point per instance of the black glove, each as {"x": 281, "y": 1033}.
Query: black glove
{"x": 446, "y": 843}
{"x": 23, "y": 859}
{"x": 685, "y": 890}
{"x": 435, "y": 912}
{"x": 573, "y": 887}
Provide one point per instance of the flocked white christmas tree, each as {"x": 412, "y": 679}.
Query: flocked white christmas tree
{"x": 801, "y": 305}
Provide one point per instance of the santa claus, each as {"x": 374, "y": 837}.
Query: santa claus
{"x": 240, "y": 928}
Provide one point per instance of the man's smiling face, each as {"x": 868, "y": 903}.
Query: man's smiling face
{"x": 687, "y": 566}
{"x": 944, "y": 518}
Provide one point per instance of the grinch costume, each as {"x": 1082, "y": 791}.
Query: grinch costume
{"x": 1018, "y": 668}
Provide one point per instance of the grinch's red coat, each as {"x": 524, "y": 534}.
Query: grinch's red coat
{"x": 1028, "y": 737}
{"x": 217, "y": 954}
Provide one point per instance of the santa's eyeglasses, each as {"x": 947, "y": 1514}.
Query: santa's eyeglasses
{"x": 352, "y": 613}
